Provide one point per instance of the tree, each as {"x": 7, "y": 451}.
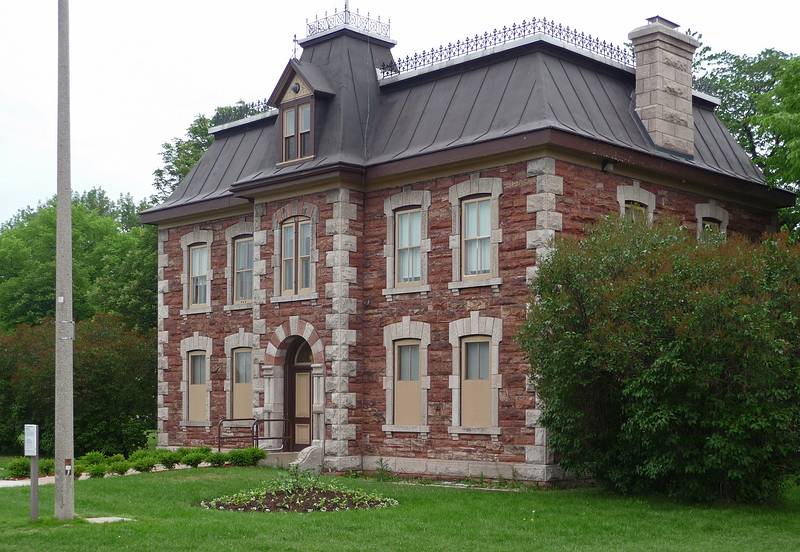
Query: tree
{"x": 670, "y": 366}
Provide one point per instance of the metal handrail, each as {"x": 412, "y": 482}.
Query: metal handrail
{"x": 223, "y": 420}
{"x": 284, "y": 439}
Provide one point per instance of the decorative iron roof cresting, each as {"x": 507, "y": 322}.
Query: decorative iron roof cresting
{"x": 507, "y": 34}
{"x": 346, "y": 17}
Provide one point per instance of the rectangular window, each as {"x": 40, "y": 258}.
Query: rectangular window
{"x": 407, "y": 390}
{"x": 409, "y": 240}
{"x": 711, "y": 225}
{"x": 475, "y": 384}
{"x": 242, "y": 390}
{"x": 304, "y": 254}
{"x": 288, "y": 249}
{"x": 289, "y": 135}
{"x": 635, "y": 211}
{"x": 197, "y": 386}
{"x": 476, "y": 216}
{"x": 304, "y": 115}
{"x": 243, "y": 268}
{"x": 198, "y": 275}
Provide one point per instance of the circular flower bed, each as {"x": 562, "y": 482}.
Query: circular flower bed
{"x": 299, "y": 493}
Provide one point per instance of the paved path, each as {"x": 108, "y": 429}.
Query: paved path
{"x": 4, "y": 483}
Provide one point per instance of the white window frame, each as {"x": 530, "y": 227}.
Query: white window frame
{"x": 234, "y": 342}
{"x": 465, "y": 191}
{"x": 637, "y": 194}
{"x": 407, "y": 199}
{"x": 476, "y": 325}
{"x": 403, "y": 331}
{"x": 240, "y": 230}
{"x": 464, "y": 205}
{"x": 711, "y": 210}
{"x": 192, "y": 345}
{"x": 282, "y": 215}
{"x": 189, "y": 240}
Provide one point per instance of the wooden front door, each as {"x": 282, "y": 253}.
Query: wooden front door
{"x": 298, "y": 393}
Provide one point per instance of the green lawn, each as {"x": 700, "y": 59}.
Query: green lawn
{"x": 428, "y": 518}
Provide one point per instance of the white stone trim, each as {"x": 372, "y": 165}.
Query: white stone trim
{"x": 406, "y": 329}
{"x": 542, "y": 205}
{"x": 638, "y": 194}
{"x": 464, "y": 468}
{"x": 196, "y": 237}
{"x": 475, "y": 186}
{"x": 713, "y": 210}
{"x": 241, "y": 340}
{"x": 406, "y": 198}
{"x": 196, "y": 342}
{"x": 241, "y": 229}
{"x": 475, "y": 324}
{"x": 293, "y": 209}
{"x": 162, "y": 411}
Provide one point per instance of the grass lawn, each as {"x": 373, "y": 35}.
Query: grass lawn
{"x": 428, "y": 518}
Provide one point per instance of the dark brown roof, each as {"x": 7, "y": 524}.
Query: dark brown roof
{"x": 365, "y": 122}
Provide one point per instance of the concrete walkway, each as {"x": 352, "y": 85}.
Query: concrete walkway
{"x": 5, "y": 483}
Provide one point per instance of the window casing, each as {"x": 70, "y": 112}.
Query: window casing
{"x": 197, "y": 386}
{"x": 406, "y": 381}
{"x": 198, "y": 275}
{"x": 296, "y": 253}
{"x": 408, "y": 253}
{"x": 242, "y": 389}
{"x": 476, "y": 235}
{"x": 243, "y": 270}
{"x": 635, "y": 211}
{"x": 407, "y": 384}
{"x": 710, "y": 217}
{"x": 475, "y": 384}
{"x": 298, "y": 141}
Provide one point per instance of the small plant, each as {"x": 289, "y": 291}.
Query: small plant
{"x": 93, "y": 457}
{"x": 194, "y": 459}
{"x": 217, "y": 459}
{"x": 169, "y": 459}
{"x": 246, "y": 457}
{"x": 382, "y": 471}
{"x": 144, "y": 463}
{"x": 97, "y": 471}
{"x": 119, "y": 467}
{"x": 115, "y": 458}
{"x": 18, "y": 468}
{"x": 47, "y": 466}
{"x": 141, "y": 453}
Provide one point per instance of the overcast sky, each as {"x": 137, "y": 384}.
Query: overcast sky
{"x": 141, "y": 70}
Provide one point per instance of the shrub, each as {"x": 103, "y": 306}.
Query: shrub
{"x": 667, "y": 365}
{"x": 217, "y": 459}
{"x": 168, "y": 459}
{"x": 141, "y": 453}
{"x": 194, "y": 459}
{"x": 119, "y": 467}
{"x": 80, "y": 468}
{"x": 47, "y": 466}
{"x": 144, "y": 463}
{"x": 246, "y": 457}
{"x": 19, "y": 468}
{"x": 115, "y": 458}
{"x": 93, "y": 457}
{"x": 97, "y": 470}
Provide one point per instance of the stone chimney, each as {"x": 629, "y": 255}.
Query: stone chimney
{"x": 664, "y": 83}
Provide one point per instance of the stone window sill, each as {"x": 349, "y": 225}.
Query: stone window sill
{"x": 196, "y": 423}
{"x": 290, "y": 298}
{"x": 238, "y": 306}
{"x": 238, "y": 423}
{"x": 461, "y": 430}
{"x": 483, "y": 282}
{"x": 420, "y": 288}
{"x": 196, "y": 310}
{"x": 405, "y": 429}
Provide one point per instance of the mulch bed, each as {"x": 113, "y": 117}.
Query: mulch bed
{"x": 312, "y": 501}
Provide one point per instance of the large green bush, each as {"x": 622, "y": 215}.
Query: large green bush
{"x": 667, "y": 365}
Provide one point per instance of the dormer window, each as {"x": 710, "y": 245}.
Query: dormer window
{"x": 297, "y": 136}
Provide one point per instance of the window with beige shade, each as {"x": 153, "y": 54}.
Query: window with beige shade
{"x": 242, "y": 392}
{"x": 475, "y": 388}
{"x": 407, "y": 385}
{"x": 296, "y": 252}
{"x": 197, "y": 386}
{"x": 198, "y": 276}
{"x": 243, "y": 270}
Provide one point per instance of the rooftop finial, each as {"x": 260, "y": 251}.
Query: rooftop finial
{"x": 346, "y": 18}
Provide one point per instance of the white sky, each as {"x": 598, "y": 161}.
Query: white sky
{"x": 141, "y": 70}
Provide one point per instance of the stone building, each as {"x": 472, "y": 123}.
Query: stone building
{"x": 346, "y": 271}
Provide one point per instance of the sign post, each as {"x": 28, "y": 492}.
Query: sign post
{"x": 32, "y": 451}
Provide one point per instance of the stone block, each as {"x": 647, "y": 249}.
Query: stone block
{"x": 549, "y": 183}
{"x": 548, "y": 220}
{"x": 540, "y": 238}
{"x": 543, "y": 165}
{"x": 541, "y": 202}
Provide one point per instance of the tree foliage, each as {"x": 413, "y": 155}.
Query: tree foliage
{"x": 114, "y": 384}
{"x": 114, "y": 262}
{"x": 668, "y": 365}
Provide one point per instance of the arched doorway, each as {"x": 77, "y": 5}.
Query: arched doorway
{"x": 298, "y": 394}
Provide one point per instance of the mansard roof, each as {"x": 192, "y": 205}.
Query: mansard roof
{"x": 532, "y": 91}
